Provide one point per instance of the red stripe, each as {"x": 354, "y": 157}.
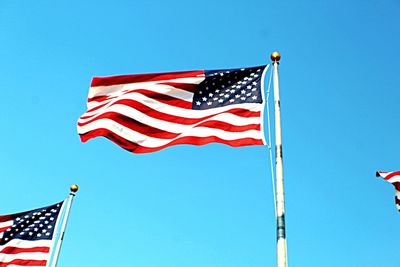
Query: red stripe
{"x": 163, "y": 98}
{"x": 136, "y": 78}
{"x": 396, "y": 185}
{"x": 189, "y": 140}
{"x": 4, "y": 218}
{"x": 16, "y": 250}
{"x": 3, "y": 229}
{"x": 228, "y": 127}
{"x": 392, "y": 174}
{"x": 189, "y": 87}
{"x": 168, "y": 117}
{"x": 24, "y": 263}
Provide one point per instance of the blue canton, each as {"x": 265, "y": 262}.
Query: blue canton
{"x": 33, "y": 225}
{"x": 227, "y": 87}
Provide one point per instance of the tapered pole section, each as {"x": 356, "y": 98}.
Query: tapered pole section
{"x": 74, "y": 189}
{"x": 281, "y": 255}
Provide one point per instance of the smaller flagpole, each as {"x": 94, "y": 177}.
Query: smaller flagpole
{"x": 281, "y": 249}
{"x": 74, "y": 188}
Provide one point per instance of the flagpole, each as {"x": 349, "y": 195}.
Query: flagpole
{"x": 74, "y": 188}
{"x": 281, "y": 253}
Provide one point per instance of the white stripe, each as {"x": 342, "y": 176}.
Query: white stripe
{"x": 6, "y": 223}
{"x": 157, "y": 88}
{"x": 116, "y": 89}
{"x": 394, "y": 179}
{"x": 24, "y": 256}
{"x": 26, "y": 244}
{"x": 176, "y": 127}
{"x": 147, "y": 141}
{"x": 173, "y": 110}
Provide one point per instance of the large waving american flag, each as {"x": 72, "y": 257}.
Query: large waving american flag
{"x": 394, "y": 179}
{"x": 26, "y": 238}
{"x": 144, "y": 113}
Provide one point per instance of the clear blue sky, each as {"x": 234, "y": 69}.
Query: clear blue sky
{"x": 207, "y": 206}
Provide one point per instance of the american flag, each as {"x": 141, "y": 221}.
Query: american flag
{"x": 394, "y": 179}
{"x": 144, "y": 113}
{"x": 26, "y": 238}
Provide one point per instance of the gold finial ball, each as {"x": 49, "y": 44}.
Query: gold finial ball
{"x": 275, "y": 56}
{"x": 74, "y": 188}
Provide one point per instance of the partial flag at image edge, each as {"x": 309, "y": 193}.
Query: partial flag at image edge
{"x": 394, "y": 179}
{"x": 27, "y": 238}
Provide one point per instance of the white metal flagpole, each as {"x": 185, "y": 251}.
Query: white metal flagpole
{"x": 74, "y": 189}
{"x": 281, "y": 253}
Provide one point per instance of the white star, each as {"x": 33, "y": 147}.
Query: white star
{"x": 243, "y": 98}
{"x": 231, "y": 100}
{"x": 200, "y": 92}
{"x": 248, "y": 94}
{"x": 254, "y": 83}
{"x": 210, "y": 94}
{"x": 209, "y": 103}
{"x": 204, "y": 98}
{"x": 237, "y": 96}
{"x": 248, "y": 86}
{"x": 198, "y": 103}
{"x": 251, "y": 74}
{"x": 226, "y": 96}
{"x": 222, "y": 74}
{"x": 232, "y": 91}
{"x": 243, "y": 91}
{"x": 217, "y": 91}
{"x": 215, "y": 98}
{"x": 221, "y": 100}
{"x": 254, "y": 97}
{"x": 255, "y": 76}
{"x": 258, "y": 70}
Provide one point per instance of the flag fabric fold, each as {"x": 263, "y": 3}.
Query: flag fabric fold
{"x": 394, "y": 179}
{"x": 26, "y": 238}
{"x": 144, "y": 113}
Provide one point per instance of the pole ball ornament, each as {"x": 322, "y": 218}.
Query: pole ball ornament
{"x": 74, "y": 188}
{"x": 275, "y": 56}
